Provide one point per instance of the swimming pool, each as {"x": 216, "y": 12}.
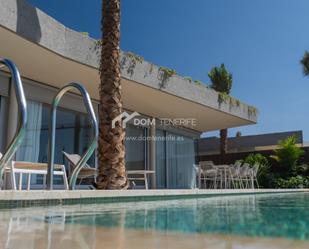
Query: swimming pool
{"x": 278, "y": 219}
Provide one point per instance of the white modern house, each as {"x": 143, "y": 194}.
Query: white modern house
{"x": 50, "y": 55}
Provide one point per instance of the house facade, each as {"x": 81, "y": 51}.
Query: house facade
{"x": 50, "y": 55}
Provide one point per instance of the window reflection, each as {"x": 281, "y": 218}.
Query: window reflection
{"x": 135, "y": 148}
{"x": 73, "y": 134}
{"x": 3, "y": 119}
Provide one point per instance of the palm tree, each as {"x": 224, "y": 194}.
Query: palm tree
{"x": 305, "y": 62}
{"x": 111, "y": 150}
{"x": 221, "y": 81}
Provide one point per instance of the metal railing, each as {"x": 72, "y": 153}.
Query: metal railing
{"x": 52, "y": 134}
{"x": 22, "y": 107}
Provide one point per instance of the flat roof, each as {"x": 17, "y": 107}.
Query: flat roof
{"x": 46, "y": 51}
{"x": 269, "y": 141}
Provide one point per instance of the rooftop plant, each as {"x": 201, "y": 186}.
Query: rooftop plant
{"x": 188, "y": 78}
{"x": 221, "y": 79}
{"x": 252, "y": 111}
{"x": 135, "y": 57}
{"x": 305, "y": 62}
{"x": 164, "y": 74}
{"x": 198, "y": 82}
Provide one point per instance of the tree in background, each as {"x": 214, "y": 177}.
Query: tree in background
{"x": 221, "y": 81}
{"x": 111, "y": 150}
{"x": 305, "y": 62}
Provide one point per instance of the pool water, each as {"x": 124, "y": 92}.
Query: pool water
{"x": 273, "y": 215}
{"x": 266, "y": 219}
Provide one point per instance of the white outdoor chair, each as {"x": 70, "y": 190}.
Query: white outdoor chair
{"x": 253, "y": 175}
{"x": 245, "y": 175}
{"x": 234, "y": 174}
{"x": 208, "y": 172}
{"x": 85, "y": 172}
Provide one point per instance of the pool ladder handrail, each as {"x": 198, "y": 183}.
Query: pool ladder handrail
{"x": 52, "y": 134}
{"x": 22, "y": 108}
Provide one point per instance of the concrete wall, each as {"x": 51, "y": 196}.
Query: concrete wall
{"x": 243, "y": 143}
{"x": 35, "y": 26}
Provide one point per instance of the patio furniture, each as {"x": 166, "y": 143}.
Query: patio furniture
{"x": 207, "y": 171}
{"x": 245, "y": 175}
{"x": 234, "y": 172}
{"x": 253, "y": 175}
{"x": 140, "y": 175}
{"x": 29, "y": 169}
{"x": 85, "y": 172}
{"x": 225, "y": 175}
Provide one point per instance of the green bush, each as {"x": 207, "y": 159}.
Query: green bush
{"x": 263, "y": 170}
{"x": 287, "y": 155}
{"x": 259, "y": 159}
{"x": 293, "y": 182}
{"x": 256, "y": 158}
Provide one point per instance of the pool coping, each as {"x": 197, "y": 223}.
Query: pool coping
{"x": 17, "y": 199}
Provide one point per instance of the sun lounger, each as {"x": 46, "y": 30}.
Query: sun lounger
{"x": 85, "y": 172}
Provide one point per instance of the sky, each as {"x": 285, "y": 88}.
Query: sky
{"x": 260, "y": 41}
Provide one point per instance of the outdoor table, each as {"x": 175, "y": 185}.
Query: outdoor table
{"x": 225, "y": 169}
{"x": 31, "y": 168}
{"x": 142, "y": 173}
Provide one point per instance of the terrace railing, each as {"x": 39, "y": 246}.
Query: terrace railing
{"x": 52, "y": 134}
{"x": 22, "y": 108}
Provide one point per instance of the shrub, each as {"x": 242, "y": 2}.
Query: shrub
{"x": 263, "y": 171}
{"x": 288, "y": 155}
{"x": 257, "y": 158}
{"x": 293, "y": 182}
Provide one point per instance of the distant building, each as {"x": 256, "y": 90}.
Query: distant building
{"x": 241, "y": 146}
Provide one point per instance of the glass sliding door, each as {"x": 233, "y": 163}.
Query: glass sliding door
{"x": 65, "y": 134}
{"x": 30, "y": 148}
{"x": 175, "y": 156}
{"x": 3, "y": 123}
{"x": 135, "y": 148}
{"x": 84, "y": 136}
{"x": 180, "y": 157}
{"x": 160, "y": 159}
{"x": 73, "y": 135}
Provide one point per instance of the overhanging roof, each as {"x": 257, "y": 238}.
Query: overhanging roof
{"x": 48, "y": 52}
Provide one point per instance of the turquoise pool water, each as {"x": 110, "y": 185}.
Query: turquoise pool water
{"x": 269, "y": 215}
{"x": 262, "y": 215}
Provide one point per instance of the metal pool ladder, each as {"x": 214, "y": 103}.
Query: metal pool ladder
{"x": 52, "y": 134}
{"x": 22, "y": 107}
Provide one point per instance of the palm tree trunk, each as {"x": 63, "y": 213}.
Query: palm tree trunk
{"x": 111, "y": 150}
{"x": 223, "y": 144}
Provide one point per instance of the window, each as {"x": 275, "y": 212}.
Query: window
{"x": 175, "y": 156}
{"x": 161, "y": 159}
{"x": 3, "y": 122}
{"x": 135, "y": 148}
{"x": 73, "y": 134}
{"x": 180, "y": 159}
